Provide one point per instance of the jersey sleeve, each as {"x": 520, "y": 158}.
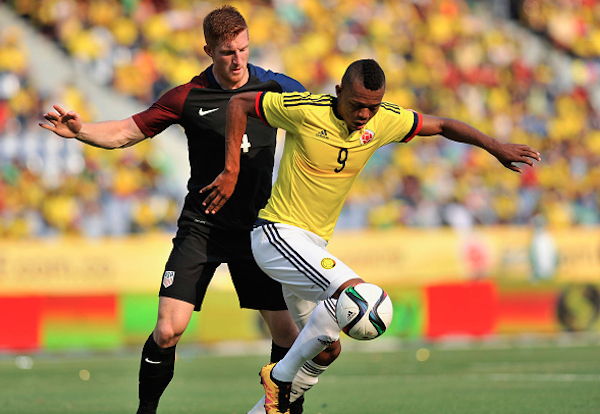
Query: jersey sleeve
{"x": 400, "y": 124}
{"x": 287, "y": 84}
{"x": 279, "y": 111}
{"x": 163, "y": 113}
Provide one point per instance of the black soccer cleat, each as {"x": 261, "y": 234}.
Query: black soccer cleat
{"x": 296, "y": 406}
{"x": 147, "y": 407}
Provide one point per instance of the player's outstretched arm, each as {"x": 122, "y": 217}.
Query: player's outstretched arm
{"x": 458, "y": 131}
{"x": 107, "y": 134}
{"x": 220, "y": 190}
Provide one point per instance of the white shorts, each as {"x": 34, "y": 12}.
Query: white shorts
{"x": 299, "y": 260}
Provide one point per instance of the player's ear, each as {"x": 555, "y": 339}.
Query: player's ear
{"x": 208, "y": 50}
{"x": 338, "y": 90}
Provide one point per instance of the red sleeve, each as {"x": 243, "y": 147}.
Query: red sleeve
{"x": 418, "y": 123}
{"x": 259, "y": 109}
{"x": 163, "y": 113}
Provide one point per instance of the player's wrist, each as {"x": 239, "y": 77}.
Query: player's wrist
{"x": 232, "y": 170}
{"x": 80, "y": 133}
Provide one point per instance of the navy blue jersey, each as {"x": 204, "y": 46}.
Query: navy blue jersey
{"x": 200, "y": 107}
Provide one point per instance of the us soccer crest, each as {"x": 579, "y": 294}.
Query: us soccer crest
{"x": 168, "y": 278}
{"x": 366, "y": 137}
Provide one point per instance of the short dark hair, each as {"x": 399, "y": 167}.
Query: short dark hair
{"x": 366, "y": 71}
{"x": 223, "y": 24}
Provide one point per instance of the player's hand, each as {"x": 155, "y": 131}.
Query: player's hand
{"x": 218, "y": 192}
{"x": 65, "y": 124}
{"x": 508, "y": 154}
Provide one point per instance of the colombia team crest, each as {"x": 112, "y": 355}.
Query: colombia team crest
{"x": 328, "y": 263}
{"x": 366, "y": 137}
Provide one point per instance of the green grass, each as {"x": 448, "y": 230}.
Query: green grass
{"x": 529, "y": 379}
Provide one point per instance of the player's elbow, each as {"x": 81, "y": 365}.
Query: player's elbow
{"x": 243, "y": 104}
{"x": 126, "y": 143}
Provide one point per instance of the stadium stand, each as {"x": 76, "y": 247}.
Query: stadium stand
{"x": 572, "y": 25}
{"x": 49, "y": 186}
{"x": 446, "y": 57}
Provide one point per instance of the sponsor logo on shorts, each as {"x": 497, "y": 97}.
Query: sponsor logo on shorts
{"x": 328, "y": 263}
{"x": 168, "y": 278}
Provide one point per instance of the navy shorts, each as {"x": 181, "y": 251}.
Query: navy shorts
{"x": 197, "y": 252}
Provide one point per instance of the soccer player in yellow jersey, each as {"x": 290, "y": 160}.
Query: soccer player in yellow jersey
{"x": 329, "y": 140}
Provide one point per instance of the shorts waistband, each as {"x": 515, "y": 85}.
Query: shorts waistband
{"x": 261, "y": 222}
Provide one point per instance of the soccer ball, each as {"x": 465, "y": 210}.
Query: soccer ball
{"x": 364, "y": 311}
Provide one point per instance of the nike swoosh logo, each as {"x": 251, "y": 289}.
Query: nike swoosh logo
{"x": 151, "y": 362}
{"x": 201, "y": 112}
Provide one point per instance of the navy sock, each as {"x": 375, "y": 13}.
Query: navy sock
{"x": 277, "y": 352}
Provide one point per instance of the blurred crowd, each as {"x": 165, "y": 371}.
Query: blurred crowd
{"x": 51, "y": 186}
{"x": 573, "y": 25}
{"x": 440, "y": 56}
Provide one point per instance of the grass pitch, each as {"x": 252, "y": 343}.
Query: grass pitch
{"x": 556, "y": 377}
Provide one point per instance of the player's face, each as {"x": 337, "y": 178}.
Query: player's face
{"x": 230, "y": 59}
{"x": 357, "y": 104}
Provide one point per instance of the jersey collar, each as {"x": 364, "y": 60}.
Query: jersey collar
{"x": 334, "y": 105}
{"x": 213, "y": 81}
{"x": 209, "y": 74}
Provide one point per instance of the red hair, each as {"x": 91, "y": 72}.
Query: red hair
{"x": 223, "y": 24}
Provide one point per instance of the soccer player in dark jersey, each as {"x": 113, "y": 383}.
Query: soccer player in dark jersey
{"x": 204, "y": 241}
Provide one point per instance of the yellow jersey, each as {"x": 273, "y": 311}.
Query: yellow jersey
{"x": 321, "y": 159}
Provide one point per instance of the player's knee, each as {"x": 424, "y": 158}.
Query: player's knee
{"x": 165, "y": 336}
{"x": 330, "y": 354}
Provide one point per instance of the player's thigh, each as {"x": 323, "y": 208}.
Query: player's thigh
{"x": 188, "y": 271}
{"x": 299, "y": 260}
